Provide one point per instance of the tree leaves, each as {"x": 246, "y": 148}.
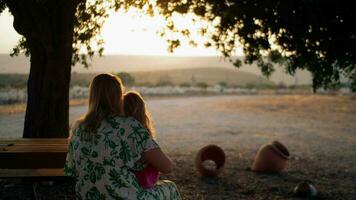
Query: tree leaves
{"x": 313, "y": 35}
{"x": 2, "y": 6}
{"x": 20, "y": 48}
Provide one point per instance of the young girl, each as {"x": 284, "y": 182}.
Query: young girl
{"x": 134, "y": 106}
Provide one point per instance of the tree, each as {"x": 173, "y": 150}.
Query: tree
{"x": 316, "y": 35}
{"x": 56, "y": 34}
{"x": 223, "y": 84}
{"x": 48, "y": 28}
{"x": 126, "y": 78}
{"x": 202, "y": 85}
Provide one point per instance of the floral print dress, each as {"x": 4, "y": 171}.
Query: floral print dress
{"x": 104, "y": 168}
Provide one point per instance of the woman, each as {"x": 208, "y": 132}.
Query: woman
{"x": 106, "y": 147}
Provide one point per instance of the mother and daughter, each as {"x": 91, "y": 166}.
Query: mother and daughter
{"x": 112, "y": 153}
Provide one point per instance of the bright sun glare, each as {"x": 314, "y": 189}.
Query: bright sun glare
{"x": 132, "y": 33}
{"x": 129, "y": 33}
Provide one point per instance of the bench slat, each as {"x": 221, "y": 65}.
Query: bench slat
{"x": 34, "y": 145}
{"x": 32, "y": 160}
{"x": 13, "y": 173}
{"x": 32, "y": 157}
{"x": 37, "y": 141}
{"x": 15, "y": 149}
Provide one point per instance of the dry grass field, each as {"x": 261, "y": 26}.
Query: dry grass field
{"x": 318, "y": 130}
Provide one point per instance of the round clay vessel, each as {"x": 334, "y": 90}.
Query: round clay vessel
{"x": 305, "y": 189}
{"x": 211, "y": 153}
{"x": 271, "y": 158}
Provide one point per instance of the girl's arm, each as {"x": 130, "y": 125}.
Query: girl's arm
{"x": 158, "y": 159}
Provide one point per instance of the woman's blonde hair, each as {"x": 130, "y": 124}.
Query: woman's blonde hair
{"x": 135, "y": 106}
{"x": 105, "y": 99}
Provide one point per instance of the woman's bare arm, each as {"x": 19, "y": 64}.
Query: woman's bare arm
{"x": 158, "y": 159}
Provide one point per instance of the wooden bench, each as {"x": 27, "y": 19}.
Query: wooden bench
{"x": 34, "y": 159}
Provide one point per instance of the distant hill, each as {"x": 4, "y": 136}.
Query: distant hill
{"x": 133, "y": 63}
{"x": 116, "y": 63}
{"x": 210, "y": 76}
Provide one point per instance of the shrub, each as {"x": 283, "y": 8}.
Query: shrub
{"x": 202, "y": 85}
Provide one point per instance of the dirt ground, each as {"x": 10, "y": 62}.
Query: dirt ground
{"x": 319, "y": 131}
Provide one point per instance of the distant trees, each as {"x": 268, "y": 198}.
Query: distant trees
{"x": 127, "y": 79}
{"x": 201, "y": 85}
{"x": 185, "y": 85}
{"x": 165, "y": 80}
{"x": 222, "y": 84}
{"x": 13, "y": 80}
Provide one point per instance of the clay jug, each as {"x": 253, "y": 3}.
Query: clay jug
{"x": 210, "y": 160}
{"x": 305, "y": 189}
{"x": 271, "y": 158}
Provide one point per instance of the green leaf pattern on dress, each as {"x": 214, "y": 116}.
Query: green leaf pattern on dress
{"x": 104, "y": 169}
{"x": 94, "y": 194}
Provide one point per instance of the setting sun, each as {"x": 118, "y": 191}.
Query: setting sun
{"x": 130, "y": 33}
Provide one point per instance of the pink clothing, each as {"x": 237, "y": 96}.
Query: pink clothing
{"x": 148, "y": 177}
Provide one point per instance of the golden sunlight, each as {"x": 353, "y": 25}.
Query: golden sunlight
{"x": 134, "y": 33}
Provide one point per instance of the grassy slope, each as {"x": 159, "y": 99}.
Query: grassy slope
{"x": 13, "y": 80}
{"x": 211, "y": 76}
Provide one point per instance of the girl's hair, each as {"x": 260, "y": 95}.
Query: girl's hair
{"x": 105, "y": 99}
{"x": 135, "y": 106}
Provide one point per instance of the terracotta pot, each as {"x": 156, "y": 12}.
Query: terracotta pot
{"x": 271, "y": 158}
{"x": 305, "y": 189}
{"x": 213, "y": 154}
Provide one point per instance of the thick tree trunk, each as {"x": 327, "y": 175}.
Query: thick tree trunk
{"x": 48, "y": 94}
{"x": 48, "y": 29}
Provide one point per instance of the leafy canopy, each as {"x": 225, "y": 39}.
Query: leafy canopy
{"x": 316, "y": 35}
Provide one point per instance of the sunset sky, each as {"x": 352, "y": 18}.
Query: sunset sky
{"x": 131, "y": 34}
{"x": 124, "y": 33}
